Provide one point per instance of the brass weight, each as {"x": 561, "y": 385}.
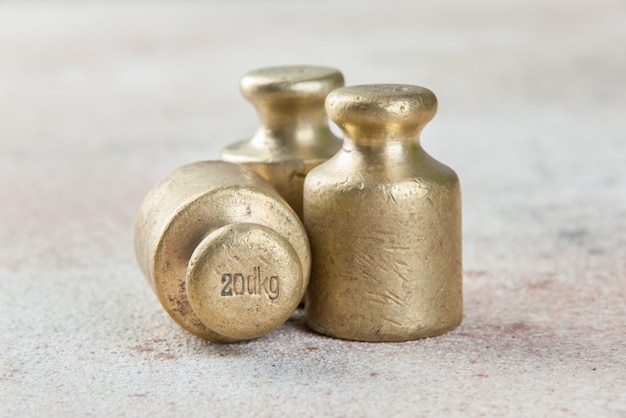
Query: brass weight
{"x": 384, "y": 223}
{"x": 227, "y": 257}
{"x": 293, "y": 135}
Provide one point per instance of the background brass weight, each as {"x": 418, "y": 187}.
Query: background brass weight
{"x": 293, "y": 135}
{"x": 384, "y": 222}
{"x": 225, "y": 254}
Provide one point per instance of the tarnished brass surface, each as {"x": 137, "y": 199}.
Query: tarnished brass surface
{"x": 384, "y": 222}
{"x": 225, "y": 254}
{"x": 293, "y": 135}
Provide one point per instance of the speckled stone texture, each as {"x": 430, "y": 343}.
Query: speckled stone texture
{"x": 99, "y": 100}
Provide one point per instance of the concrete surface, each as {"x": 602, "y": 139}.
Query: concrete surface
{"x": 98, "y": 100}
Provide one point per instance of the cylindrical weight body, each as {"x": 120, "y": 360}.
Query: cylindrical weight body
{"x": 293, "y": 135}
{"x": 225, "y": 254}
{"x": 384, "y": 223}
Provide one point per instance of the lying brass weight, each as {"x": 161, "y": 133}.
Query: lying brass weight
{"x": 293, "y": 135}
{"x": 384, "y": 223}
{"x": 227, "y": 257}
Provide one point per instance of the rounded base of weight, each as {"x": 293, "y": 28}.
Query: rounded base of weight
{"x": 416, "y": 334}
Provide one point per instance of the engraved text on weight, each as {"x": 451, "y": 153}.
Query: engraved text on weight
{"x": 236, "y": 284}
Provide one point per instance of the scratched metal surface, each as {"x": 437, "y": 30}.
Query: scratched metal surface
{"x": 99, "y": 100}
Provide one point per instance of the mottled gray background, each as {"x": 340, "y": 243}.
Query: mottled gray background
{"x": 98, "y": 100}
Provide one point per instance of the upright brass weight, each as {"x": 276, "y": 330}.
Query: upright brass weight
{"x": 227, "y": 257}
{"x": 384, "y": 222}
{"x": 293, "y": 135}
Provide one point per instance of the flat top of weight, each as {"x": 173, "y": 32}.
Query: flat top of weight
{"x": 244, "y": 280}
{"x": 304, "y": 78}
{"x": 397, "y": 100}
{"x": 381, "y": 110}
